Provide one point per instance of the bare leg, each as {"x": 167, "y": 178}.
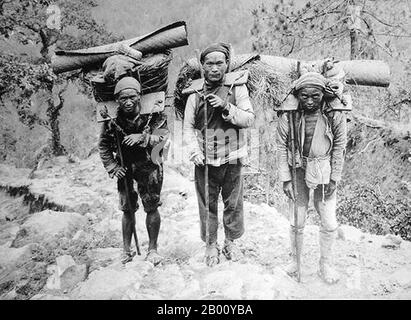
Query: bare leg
{"x": 128, "y": 221}
{"x": 153, "y": 221}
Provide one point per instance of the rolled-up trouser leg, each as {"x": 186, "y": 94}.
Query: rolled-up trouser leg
{"x": 232, "y": 193}
{"x": 214, "y": 189}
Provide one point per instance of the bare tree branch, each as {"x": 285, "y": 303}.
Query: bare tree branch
{"x": 379, "y": 20}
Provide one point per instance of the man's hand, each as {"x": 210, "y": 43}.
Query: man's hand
{"x": 330, "y": 188}
{"x": 288, "y": 189}
{"x": 119, "y": 172}
{"x": 215, "y": 101}
{"x": 132, "y": 139}
{"x": 198, "y": 159}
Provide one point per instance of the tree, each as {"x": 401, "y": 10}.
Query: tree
{"x": 289, "y": 27}
{"x": 45, "y": 25}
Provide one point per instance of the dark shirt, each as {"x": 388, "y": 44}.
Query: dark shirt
{"x": 157, "y": 132}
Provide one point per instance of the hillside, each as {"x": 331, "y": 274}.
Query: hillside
{"x": 69, "y": 209}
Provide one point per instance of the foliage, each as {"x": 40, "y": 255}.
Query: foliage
{"x": 23, "y": 77}
{"x": 289, "y": 27}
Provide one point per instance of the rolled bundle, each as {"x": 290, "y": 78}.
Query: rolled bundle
{"x": 163, "y": 39}
{"x": 271, "y": 77}
{"x": 360, "y": 72}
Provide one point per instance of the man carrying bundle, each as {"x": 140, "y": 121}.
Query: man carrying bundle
{"x": 219, "y": 113}
{"x": 320, "y": 140}
{"x": 138, "y": 135}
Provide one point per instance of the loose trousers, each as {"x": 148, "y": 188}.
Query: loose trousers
{"x": 228, "y": 180}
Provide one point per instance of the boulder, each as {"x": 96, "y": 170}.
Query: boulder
{"x": 391, "y": 242}
{"x": 12, "y": 208}
{"x": 66, "y": 274}
{"x": 8, "y": 232}
{"x": 45, "y": 225}
{"x": 350, "y": 233}
{"x": 13, "y": 258}
{"x": 79, "y": 235}
{"x": 106, "y": 284}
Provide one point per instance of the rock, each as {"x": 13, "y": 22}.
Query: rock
{"x": 72, "y": 276}
{"x": 225, "y": 283}
{"x": 79, "y": 234}
{"x": 391, "y": 242}
{"x": 8, "y": 232}
{"x": 106, "y": 284}
{"x": 402, "y": 277}
{"x": 12, "y": 208}
{"x": 102, "y": 257}
{"x": 350, "y": 233}
{"x": 45, "y": 225}
{"x": 63, "y": 263}
{"x": 140, "y": 266}
{"x": 12, "y": 258}
{"x": 66, "y": 274}
{"x": 91, "y": 216}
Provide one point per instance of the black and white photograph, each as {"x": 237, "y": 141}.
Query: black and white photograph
{"x": 205, "y": 155}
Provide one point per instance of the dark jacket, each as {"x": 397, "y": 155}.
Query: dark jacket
{"x": 156, "y": 133}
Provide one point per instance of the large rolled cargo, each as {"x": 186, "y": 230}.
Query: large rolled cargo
{"x": 360, "y": 72}
{"x": 165, "y": 38}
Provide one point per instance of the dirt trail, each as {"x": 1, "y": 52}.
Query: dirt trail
{"x": 369, "y": 271}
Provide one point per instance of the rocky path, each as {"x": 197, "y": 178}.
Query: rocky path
{"x": 60, "y": 238}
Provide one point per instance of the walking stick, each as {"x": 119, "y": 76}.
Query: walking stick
{"x": 104, "y": 114}
{"x": 206, "y": 191}
{"x": 291, "y": 121}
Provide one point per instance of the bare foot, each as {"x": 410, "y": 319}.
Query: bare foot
{"x": 211, "y": 256}
{"x": 231, "y": 251}
{"x": 127, "y": 256}
{"x": 153, "y": 257}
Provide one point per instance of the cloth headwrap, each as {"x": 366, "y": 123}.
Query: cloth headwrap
{"x": 127, "y": 83}
{"x": 219, "y": 47}
{"x": 310, "y": 79}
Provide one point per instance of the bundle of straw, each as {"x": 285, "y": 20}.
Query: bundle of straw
{"x": 266, "y": 86}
